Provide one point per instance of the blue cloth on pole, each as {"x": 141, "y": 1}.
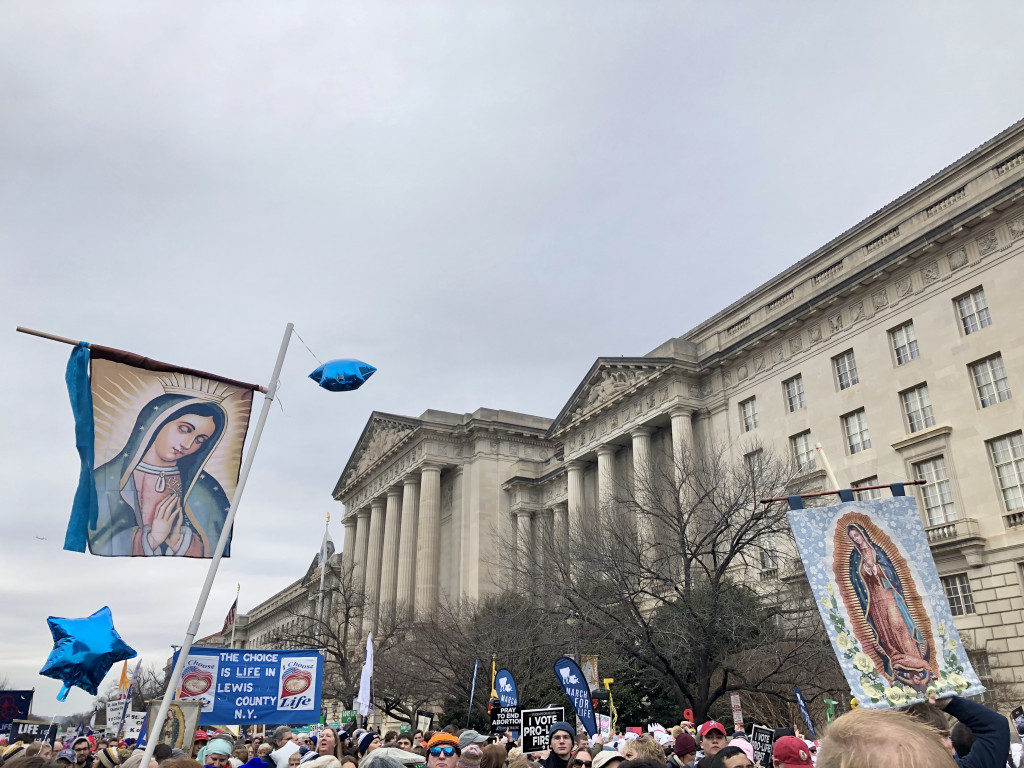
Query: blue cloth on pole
{"x": 574, "y": 685}
{"x": 83, "y": 512}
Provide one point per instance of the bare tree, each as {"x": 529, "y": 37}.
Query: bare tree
{"x": 668, "y": 575}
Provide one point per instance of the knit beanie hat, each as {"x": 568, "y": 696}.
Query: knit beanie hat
{"x": 219, "y": 746}
{"x": 562, "y": 726}
{"x": 685, "y": 745}
{"x": 109, "y": 757}
{"x": 11, "y": 751}
{"x": 471, "y": 756}
{"x": 443, "y": 739}
{"x": 365, "y": 741}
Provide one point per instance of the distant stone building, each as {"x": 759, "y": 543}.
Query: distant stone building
{"x": 898, "y": 346}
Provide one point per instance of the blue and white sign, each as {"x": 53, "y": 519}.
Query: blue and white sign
{"x": 574, "y": 686}
{"x": 872, "y": 574}
{"x": 250, "y": 686}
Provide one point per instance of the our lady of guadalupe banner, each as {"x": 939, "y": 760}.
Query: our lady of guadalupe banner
{"x": 161, "y": 449}
{"x": 874, "y": 580}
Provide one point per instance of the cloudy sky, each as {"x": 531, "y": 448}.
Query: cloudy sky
{"x": 479, "y": 198}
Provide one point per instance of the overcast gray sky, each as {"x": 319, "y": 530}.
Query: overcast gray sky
{"x": 479, "y": 198}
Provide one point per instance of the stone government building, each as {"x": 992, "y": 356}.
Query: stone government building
{"x": 898, "y": 346}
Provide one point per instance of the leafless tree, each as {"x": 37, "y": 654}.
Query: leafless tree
{"x": 669, "y": 575}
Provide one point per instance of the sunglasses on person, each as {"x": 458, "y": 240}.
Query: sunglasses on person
{"x": 584, "y": 763}
{"x": 438, "y": 751}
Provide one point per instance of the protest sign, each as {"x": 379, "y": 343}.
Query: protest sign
{"x": 761, "y": 739}
{"x": 575, "y": 687}
{"x": 604, "y": 725}
{"x": 534, "y": 725}
{"x": 13, "y": 704}
{"x": 133, "y": 724}
{"x": 253, "y": 686}
{"x": 737, "y": 711}
{"x": 424, "y": 720}
{"x": 38, "y": 730}
{"x": 505, "y": 719}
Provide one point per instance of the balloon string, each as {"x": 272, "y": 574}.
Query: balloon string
{"x": 307, "y": 347}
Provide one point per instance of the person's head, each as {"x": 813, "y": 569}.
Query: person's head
{"x": 871, "y": 738}
{"x": 962, "y": 739}
{"x": 390, "y": 737}
{"x": 730, "y": 757}
{"x": 494, "y": 756}
{"x": 442, "y": 750}
{"x": 282, "y": 735}
{"x": 468, "y": 737}
{"x": 108, "y": 757}
{"x": 685, "y": 746}
{"x": 789, "y": 752}
{"x": 417, "y": 736}
{"x": 368, "y": 742}
{"x": 583, "y": 758}
{"x": 931, "y": 715}
{"x": 561, "y": 738}
{"x": 65, "y": 758}
{"x": 293, "y": 759}
{"x": 239, "y": 752}
{"x": 263, "y": 750}
{"x": 328, "y": 743}
{"x": 101, "y": 744}
{"x": 218, "y": 752}
{"x": 82, "y": 747}
{"x": 646, "y": 746}
{"x": 404, "y": 741}
{"x": 162, "y": 752}
{"x": 607, "y": 758}
{"x": 712, "y": 737}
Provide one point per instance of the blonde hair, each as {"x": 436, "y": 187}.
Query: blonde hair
{"x": 264, "y": 749}
{"x": 871, "y": 738}
{"x": 644, "y": 746}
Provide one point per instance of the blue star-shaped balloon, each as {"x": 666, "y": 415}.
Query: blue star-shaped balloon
{"x": 342, "y": 375}
{"x": 84, "y": 650}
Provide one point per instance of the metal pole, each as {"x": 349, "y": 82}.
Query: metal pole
{"x": 193, "y": 628}
{"x": 827, "y": 466}
{"x": 320, "y": 594}
{"x": 234, "y": 619}
{"x": 472, "y": 693}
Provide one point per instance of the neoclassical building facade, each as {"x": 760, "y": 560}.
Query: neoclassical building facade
{"x": 897, "y": 346}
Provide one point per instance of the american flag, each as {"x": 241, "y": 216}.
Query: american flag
{"x": 230, "y": 618}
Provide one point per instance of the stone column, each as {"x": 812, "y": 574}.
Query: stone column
{"x": 389, "y": 560}
{"x": 561, "y": 522}
{"x": 575, "y": 506}
{"x": 542, "y": 532}
{"x": 373, "y": 565}
{"x": 643, "y": 477}
{"x": 362, "y": 540}
{"x": 523, "y": 547}
{"x": 682, "y": 438}
{"x": 348, "y": 549}
{"x": 407, "y": 545}
{"x": 606, "y": 475}
{"x": 428, "y": 565}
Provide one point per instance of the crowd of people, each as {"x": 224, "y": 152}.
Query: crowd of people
{"x": 921, "y": 736}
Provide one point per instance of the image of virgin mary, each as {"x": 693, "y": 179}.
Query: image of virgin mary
{"x": 898, "y": 640}
{"x": 154, "y": 498}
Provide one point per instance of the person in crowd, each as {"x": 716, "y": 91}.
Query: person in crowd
{"x": 281, "y": 736}
{"x": 684, "y": 751}
{"x": 443, "y": 750}
{"x": 404, "y": 742}
{"x": 13, "y": 752}
{"x": 582, "y": 758}
{"x": 607, "y": 758}
{"x": 326, "y": 744}
{"x": 65, "y": 758}
{"x": 417, "y": 737}
{"x": 263, "y": 752}
{"x": 729, "y": 757}
{"x": 742, "y": 743}
{"x": 218, "y": 752}
{"x": 293, "y": 760}
{"x": 368, "y": 742}
{"x": 561, "y": 738}
{"x": 101, "y": 744}
{"x": 643, "y": 746}
{"x": 199, "y": 742}
{"x": 471, "y": 737}
{"x": 390, "y": 738}
{"x": 163, "y": 752}
{"x": 494, "y": 756}
{"x": 712, "y": 740}
{"x": 108, "y": 757}
{"x": 239, "y": 755}
{"x": 871, "y": 738}
{"x": 83, "y": 752}
{"x": 962, "y": 739}
{"x": 789, "y": 751}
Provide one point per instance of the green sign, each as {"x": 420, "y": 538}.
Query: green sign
{"x": 405, "y": 728}
{"x": 348, "y": 715}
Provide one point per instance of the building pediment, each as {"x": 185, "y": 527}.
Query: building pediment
{"x": 383, "y": 433}
{"x": 608, "y": 380}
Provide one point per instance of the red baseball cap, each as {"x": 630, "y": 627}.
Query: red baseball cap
{"x": 792, "y": 751}
{"x": 201, "y": 736}
{"x": 711, "y": 725}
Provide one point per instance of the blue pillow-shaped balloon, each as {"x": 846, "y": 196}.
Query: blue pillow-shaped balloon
{"x": 342, "y": 375}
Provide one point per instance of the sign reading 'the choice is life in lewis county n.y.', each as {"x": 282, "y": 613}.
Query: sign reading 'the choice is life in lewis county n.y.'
{"x": 249, "y": 686}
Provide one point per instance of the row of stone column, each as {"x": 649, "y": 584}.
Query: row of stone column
{"x": 394, "y": 548}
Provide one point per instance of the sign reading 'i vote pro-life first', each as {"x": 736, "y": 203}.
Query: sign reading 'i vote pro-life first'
{"x": 249, "y": 686}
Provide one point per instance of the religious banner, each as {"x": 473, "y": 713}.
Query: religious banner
{"x": 575, "y": 687}
{"x": 885, "y": 611}
{"x": 180, "y": 725}
{"x": 160, "y": 450}
{"x": 273, "y": 687}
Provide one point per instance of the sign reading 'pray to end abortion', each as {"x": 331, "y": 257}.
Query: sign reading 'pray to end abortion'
{"x": 249, "y": 686}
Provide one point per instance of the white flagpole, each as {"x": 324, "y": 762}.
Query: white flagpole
{"x": 320, "y": 595}
{"x": 827, "y": 467}
{"x": 234, "y": 619}
{"x": 193, "y": 628}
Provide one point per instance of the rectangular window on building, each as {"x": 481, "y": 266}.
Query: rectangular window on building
{"x": 794, "y": 389}
{"x": 755, "y": 462}
{"x": 973, "y": 311}
{"x": 1008, "y": 460}
{"x": 855, "y": 425}
{"x": 990, "y": 381}
{"x": 904, "y": 343}
{"x": 917, "y": 405}
{"x": 937, "y": 492}
{"x": 865, "y": 495}
{"x": 846, "y": 369}
{"x": 748, "y": 414}
{"x": 769, "y": 557}
{"x": 803, "y": 450}
{"x": 958, "y": 593}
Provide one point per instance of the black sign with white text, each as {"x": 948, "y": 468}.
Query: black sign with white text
{"x": 535, "y": 724}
